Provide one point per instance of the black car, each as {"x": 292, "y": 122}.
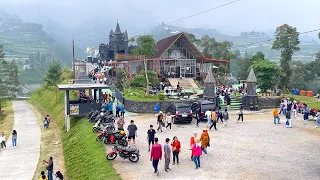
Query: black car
{"x": 203, "y": 106}
{"x": 180, "y": 112}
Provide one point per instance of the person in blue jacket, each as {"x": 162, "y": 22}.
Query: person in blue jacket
{"x": 105, "y": 107}
{"x": 122, "y": 110}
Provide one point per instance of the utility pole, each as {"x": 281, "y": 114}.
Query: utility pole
{"x": 73, "y": 60}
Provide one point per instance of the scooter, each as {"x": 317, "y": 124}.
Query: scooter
{"x": 131, "y": 153}
{"x": 116, "y": 137}
{"x": 108, "y": 126}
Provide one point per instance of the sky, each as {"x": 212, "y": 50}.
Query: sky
{"x": 135, "y": 15}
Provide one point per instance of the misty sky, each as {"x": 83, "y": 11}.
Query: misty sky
{"x": 134, "y": 15}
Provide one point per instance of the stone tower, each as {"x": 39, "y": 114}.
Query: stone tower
{"x": 209, "y": 87}
{"x": 251, "y": 98}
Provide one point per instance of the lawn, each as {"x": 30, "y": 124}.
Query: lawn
{"x": 84, "y": 157}
{"x": 136, "y": 94}
{"x": 6, "y": 118}
{"x": 312, "y": 102}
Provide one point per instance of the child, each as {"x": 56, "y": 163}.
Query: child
{"x": 225, "y": 116}
{"x": 240, "y": 114}
{"x": 14, "y": 138}
{"x": 43, "y": 176}
{"x": 288, "y": 116}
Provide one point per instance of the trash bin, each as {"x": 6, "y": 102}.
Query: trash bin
{"x": 302, "y": 92}
{"x": 309, "y": 93}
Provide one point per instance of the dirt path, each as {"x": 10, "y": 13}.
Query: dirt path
{"x": 255, "y": 149}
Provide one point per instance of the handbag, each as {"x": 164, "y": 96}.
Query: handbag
{"x": 209, "y": 144}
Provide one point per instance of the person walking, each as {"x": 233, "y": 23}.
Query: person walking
{"x": 122, "y": 110}
{"x": 175, "y": 149}
{"x": 3, "y": 140}
{"x": 192, "y": 142}
{"x": 49, "y": 167}
{"x": 240, "y": 114}
{"x": 197, "y": 152}
{"x": 160, "y": 121}
{"x": 132, "y": 132}
{"x": 306, "y": 112}
{"x": 295, "y": 109}
{"x": 213, "y": 120}
{"x": 169, "y": 120}
{"x": 120, "y": 123}
{"x": 276, "y": 117}
{"x": 225, "y": 117}
{"x": 14, "y": 136}
{"x": 317, "y": 119}
{"x": 205, "y": 141}
{"x": 288, "y": 116}
{"x": 155, "y": 155}
{"x": 167, "y": 154}
{"x": 117, "y": 111}
{"x": 151, "y": 136}
{"x": 208, "y": 116}
{"x": 45, "y": 123}
{"x": 49, "y": 120}
{"x": 198, "y": 116}
{"x": 220, "y": 115}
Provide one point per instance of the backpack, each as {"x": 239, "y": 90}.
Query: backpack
{"x": 226, "y": 115}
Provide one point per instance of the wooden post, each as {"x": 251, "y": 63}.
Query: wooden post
{"x": 202, "y": 68}
{"x": 129, "y": 70}
{"x": 67, "y": 110}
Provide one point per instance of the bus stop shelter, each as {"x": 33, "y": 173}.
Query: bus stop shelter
{"x": 82, "y": 106}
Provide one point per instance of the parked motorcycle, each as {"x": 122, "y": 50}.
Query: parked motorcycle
{"x": 131, "y": 153}
{"x": 108, "y": 126}
{"x": 93, "y": 115}
{"x": 116, "y": 137}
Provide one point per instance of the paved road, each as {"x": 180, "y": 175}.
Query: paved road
{"x": 21, "y": 162}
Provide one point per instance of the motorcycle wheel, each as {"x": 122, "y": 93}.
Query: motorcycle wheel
{"x": 94, "y": 129}
{"x": 111, "y": 156}
{"x": 134, "y": 157}
{"x": 106, "y": 141}
{"x": 123, "y": 142}
{"x": 99, "y": 138}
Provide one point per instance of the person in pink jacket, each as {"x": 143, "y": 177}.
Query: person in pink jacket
{"x": 197, "y": 152}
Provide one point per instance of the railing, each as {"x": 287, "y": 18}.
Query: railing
{"x": 125, "y": 57}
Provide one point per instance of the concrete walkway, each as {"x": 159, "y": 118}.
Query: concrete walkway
{"x": 21, "y": 162}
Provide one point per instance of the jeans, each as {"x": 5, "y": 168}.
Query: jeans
{"x": 317, "y": 122}
{"x": 155, "y": 165}
{"x": 45, "y": 126}
{"x": 221, "y": 118}
{"x": 50, "y": 175}
{"x": 117, "y": 114}
{"x": 175, "y": 156}
{"x": 275, "y": 118}
{"x": 166, "y": 163}
{"x": 14, "y": 142}
{"x": 198, "y": 121}
{"x": 196, "y": 160}
{"x": 204, "y": 150}
{"x": 306, "y": 116}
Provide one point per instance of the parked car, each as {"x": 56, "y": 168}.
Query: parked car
{"x": 180, "y": 112}
{"x": 204, "y": 105}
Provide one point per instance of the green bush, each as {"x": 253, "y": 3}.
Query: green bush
{"x": 139, "y": 81}
{"x": 161, "y": 96}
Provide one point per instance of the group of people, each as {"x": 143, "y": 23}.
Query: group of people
{"x": 164, "y": 121}
{"x": 49, "y": 167}
{"x": 46, "y": 122}
{"x": 14, "y": 136}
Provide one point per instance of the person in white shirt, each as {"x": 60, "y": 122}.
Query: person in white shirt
{"x": 169, "y": 120}
{"x": 317, "y": 119}
{"x": 3, "y": 141}
{"x": 208, "y": 115}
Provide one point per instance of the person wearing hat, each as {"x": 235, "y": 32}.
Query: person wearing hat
{"x": 160, "y": 121}
{"x": 193, "y": 142}
{"x": 197, "y": 152}
{"x": 167, "y": 154}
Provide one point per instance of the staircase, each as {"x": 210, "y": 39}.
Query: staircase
{"x": 235, "y": 104}
{"x": 186, "y": 83}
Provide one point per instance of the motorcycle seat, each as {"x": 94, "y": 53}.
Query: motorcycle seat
{"x": 130, "y": 149}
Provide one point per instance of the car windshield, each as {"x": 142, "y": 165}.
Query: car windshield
{"x": 207, "y": 106}
{"x": 185, "y": 109}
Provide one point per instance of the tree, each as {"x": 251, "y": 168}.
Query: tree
{"x": 268, "y": 74}
{"x": 208, "y": 44}
{"x": 54, "y": 73}
{"x": 222, "y": 50}
{"x": 246, "y": 62}
{"x": 140, "y": 79}
{"x": 124, "y": 80}
{"x": 193, "y": 38}
{"x": 145, "y": 49}
{"x": 13, "y": 84}
{"x": 287, "y": 40}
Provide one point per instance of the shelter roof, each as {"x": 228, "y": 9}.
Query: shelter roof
{"x": 82, "y": 86}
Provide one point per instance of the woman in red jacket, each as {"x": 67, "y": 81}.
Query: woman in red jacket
{"x": 175, "y": 149}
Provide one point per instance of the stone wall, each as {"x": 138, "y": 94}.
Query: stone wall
{"x": 148, "y": 107}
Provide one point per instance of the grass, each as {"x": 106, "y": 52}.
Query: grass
{"x": 84, "y": 157}
{"x": 7, "y": 118}
{"x": 312, "y": 102}
{"x": 136, "y": 94}
{"x": 48, "y": 148}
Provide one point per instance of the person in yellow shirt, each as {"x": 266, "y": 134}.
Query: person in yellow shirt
{"x": 43, "y": 176}
{"x": 214, "y": 119}
{"x": 276, "y": 117}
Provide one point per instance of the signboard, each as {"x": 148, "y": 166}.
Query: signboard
{"x": 74, "y": 109}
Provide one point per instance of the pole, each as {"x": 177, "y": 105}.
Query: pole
{"x": 73, "y": 62}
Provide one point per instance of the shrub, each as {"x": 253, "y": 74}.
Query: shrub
{"x": 161, "y": 96}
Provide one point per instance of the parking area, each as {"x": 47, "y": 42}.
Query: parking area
{"x": 255, "y": 149}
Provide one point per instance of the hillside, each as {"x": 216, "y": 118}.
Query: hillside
{"x": 309, "y": 47}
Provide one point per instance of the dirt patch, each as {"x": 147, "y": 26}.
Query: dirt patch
{"x": 51, "y": 144}
{"x": 255, "y": 149}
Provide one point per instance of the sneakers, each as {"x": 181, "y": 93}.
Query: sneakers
{"x": 173, "y": 163}
{"x": 158, "y": 173}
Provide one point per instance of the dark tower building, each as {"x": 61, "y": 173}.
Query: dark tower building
{"x": 118, "y": 43}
